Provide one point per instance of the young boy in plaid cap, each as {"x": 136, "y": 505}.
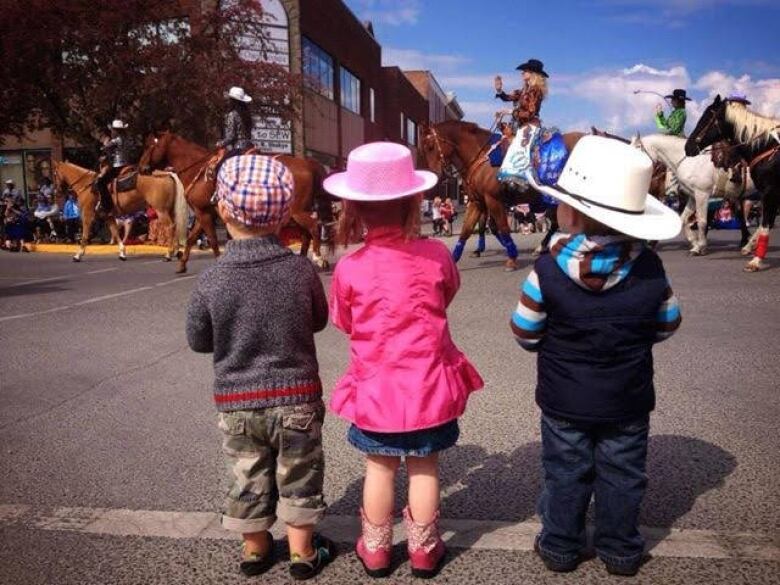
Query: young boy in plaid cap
{"x": 257, "y": 309}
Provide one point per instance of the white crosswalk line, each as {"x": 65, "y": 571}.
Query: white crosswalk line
{"x": 458, "y": 533}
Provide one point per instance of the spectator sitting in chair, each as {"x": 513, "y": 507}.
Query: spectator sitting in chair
{"x": 46, "y": 210}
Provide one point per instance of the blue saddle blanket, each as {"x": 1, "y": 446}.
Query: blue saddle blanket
{"x": 552, "y": 157}
{"x": 496, "y": 156}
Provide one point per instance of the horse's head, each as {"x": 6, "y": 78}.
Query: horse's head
{"x": 711, "y": 128}
{"x": 436, "y": 150}
{"x": 155, "y": 154}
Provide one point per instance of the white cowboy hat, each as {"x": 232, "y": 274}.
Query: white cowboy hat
{"x": 10, "y": 182}
{"x": 118, "y": 125}
{"x": 608, "y": 181}
{"x": 379, "y": 171}
{"x": 238, "y": 93}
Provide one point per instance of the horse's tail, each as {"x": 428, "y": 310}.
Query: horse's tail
{"x": 181, "y": 213}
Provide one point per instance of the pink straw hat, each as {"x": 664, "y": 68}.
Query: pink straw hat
{"x": 379, "y": 171}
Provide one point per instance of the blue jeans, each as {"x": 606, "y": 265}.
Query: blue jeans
{"x": 607, "y": 460}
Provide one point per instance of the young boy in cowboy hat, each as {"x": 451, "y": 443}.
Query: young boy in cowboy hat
{"x": 592, "y": 310}
{"x": 257, "y": 310}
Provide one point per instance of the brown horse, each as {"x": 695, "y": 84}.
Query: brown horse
{"x": 163, "y": 192}
{"x": 464, "y": 146}
{"x": 195, "y": 165}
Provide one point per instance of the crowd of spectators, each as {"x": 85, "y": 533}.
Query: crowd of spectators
{"x": 47, "y": 220}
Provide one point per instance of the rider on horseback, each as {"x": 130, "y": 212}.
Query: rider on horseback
{"x": 674, "y": 125}
{"x": 527, "y": 103}
{"x": 237, "y": 135}
{"x": 116, "y": 149}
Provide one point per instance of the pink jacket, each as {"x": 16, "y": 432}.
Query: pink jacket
{"x": 404, "y": 373}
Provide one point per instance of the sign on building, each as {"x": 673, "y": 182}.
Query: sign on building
{"x": 271, "y": 134}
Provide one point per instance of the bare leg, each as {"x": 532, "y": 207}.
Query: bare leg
{"x": 299, "y": 538}
{"x": 379, "y": 487}
{"x": 424, "y": 492}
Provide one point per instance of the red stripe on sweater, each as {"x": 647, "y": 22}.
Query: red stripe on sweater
{"x": 268, "y": 394}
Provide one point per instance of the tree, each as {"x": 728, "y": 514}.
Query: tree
{"x": 74, "y": 65}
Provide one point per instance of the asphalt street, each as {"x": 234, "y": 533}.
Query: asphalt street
{"x": 103, "y": 407}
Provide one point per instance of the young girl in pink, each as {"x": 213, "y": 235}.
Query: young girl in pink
{"x": 406, "y": 383}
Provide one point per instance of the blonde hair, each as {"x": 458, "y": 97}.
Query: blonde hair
{"x": 357, "y": 215}
{"x": 538, "y": 81}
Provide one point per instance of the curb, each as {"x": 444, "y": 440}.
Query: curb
{"x": 113, "y": 249}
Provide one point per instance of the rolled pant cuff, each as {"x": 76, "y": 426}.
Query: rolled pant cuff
{"x": 294, "y": 514}
{"x": 555, "y": 556}
{"x": 247, "y": 525}
{"x": 631, "y": 561}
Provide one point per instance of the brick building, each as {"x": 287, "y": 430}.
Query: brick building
{"x": 348, "y": 98}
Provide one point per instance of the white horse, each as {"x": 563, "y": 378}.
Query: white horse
{"x": 697, "y": 176}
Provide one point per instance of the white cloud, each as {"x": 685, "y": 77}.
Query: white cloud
{"x": 391, "y": 12}
{"x": 764, "y": 93}
{"x": 411, "y": 59}
{"x": 627, "y": 97}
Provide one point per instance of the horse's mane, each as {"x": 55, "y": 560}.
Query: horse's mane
{"x": 750, "y": 126}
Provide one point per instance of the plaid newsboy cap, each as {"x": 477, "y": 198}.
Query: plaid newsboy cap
{"x": 257, "y": 190}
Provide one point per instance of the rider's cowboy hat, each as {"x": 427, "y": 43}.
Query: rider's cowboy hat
{"x": 740, "y": 98}
{"x": 238, "y": 93}
{"x": 678, "y": 94}
{"x": 118, "y": 125}
{"x": 10, "y": 182}
{"x": 379, "y": 171}
{"x": 534, "y": 66}
{"x": 608, "y": 181}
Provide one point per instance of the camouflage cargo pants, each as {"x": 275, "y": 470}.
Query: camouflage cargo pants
{"x": 276, "y": 466}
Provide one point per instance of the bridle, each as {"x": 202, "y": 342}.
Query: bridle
{"x": 201, "y": 160}
{"x": 59, "y": 180}
{"x": 464, "y": 174}
{"x": 714, "y": 119}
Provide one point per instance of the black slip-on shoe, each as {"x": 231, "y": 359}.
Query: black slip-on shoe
{"x": 253, "y": 564}
{"x": 324, "y": 552}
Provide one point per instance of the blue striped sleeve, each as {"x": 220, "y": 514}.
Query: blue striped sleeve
{"x": 529, "y": 319}
{"x": 668, "y": 317}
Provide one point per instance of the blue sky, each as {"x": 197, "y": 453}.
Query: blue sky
{"x": 597, "y": 52}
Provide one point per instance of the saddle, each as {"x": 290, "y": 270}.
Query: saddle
{"x": 126, "y": 181}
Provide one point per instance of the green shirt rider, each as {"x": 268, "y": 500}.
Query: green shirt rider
{"x": 674, "y": 124}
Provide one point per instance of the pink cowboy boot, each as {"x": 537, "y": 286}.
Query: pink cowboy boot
{"x": 375, "y": 545}
{"x": 426, "y": 549}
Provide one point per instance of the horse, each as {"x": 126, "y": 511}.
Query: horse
{"x": 756, "y": 140}
{"x": 697, "y": 177}
{"x": 164, "y": 192}
{"x": 195, "y": 165}
{"x": 464, "y": 146}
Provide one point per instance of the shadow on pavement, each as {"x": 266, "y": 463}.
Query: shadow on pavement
{"x": 504, "y": 486}
{"x": 32, "y": 289}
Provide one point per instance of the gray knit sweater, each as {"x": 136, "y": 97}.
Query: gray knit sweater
{"x": 257, "y": 309}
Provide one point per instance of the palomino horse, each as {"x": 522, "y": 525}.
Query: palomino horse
{"x": 756, "y": 140}
{"x": 195, "y": 166}
{"x": 464, "y": 145}
{"x": 163, "y": 192}
{"x": 697, "y": 177}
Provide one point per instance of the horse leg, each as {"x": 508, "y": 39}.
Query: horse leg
{"x": 469, "y": 221}
{"x": 686, "y": 221}
{"x": 702, "y": 200}
{"x": 164, "y": 217}
{"x": 309, "y": 225}
{"x": 208, "y": 221}
{"x": 192, "y": 237}
{"x": 768, "y": 212}
{"x": 744, "y": 231}
{"x": 481, "y": 235}
{"x": 87, "y": 216}
{"x": 496, "y": 210}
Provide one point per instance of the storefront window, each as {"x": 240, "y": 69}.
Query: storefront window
{"x": 411, "y": 132}
{"x": 26, "y": 168}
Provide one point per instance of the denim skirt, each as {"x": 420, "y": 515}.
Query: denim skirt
{"x": 412, "y": 444}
